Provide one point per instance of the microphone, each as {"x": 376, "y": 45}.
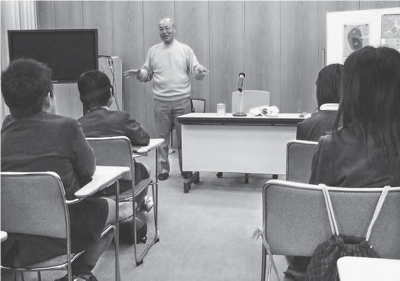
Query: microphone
{"x": 241, "y": 80}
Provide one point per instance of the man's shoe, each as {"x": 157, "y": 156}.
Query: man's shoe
{"x": 163, "y": 176}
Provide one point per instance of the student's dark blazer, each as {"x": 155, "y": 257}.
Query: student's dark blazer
{"x": 101, "y": 122}
{"x": 319, "y": 124}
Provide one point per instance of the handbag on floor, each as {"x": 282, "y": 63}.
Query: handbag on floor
{"x": 323, "y": 262}
{"x": 126, "y": 224}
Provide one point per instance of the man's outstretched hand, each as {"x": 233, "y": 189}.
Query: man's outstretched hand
{"x": 201, "y": 72}
{"x": 131, "y": 73}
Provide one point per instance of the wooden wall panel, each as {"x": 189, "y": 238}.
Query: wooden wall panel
{"x": 226, "y": 50}
{"x": 299, "y": 56}
{"x": 98, "y": 14}
{"x": 45, "y": 14}
{"x": 128, "y": 45}
{"x": 68, "y": 14}
{"x": 153, "y": 12}
{"x": 193, "y": 29}
{"x": 262, "y": 27}
{"x": 369, "y": 5}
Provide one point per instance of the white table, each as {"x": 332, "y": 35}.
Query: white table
{"x": 103, "y": 177}
{"x": 368, "y": 269}
{"x": 236, "y": 144}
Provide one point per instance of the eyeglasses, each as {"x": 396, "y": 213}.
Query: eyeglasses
{"x": 167, "y": 29}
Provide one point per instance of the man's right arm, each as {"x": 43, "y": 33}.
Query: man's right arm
{"x": 143, "y": 74}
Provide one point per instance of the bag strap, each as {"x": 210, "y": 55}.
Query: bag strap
{"x": 329, "y": 209}
{"x": 260, "y": 233}
{"x": 377, "y": 210}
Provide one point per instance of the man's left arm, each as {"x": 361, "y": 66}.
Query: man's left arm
{"x": 195, "y": 67}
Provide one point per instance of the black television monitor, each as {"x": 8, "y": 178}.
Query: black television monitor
{"x": 69, "y": 52}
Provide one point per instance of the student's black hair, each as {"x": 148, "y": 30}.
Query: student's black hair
{"x": 370, "y": 100}
{"x": 94, "y": 88}
{"x": 24, "y": 85}
{"x": 328, "y": 84}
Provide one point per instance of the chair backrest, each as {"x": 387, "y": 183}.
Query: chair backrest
{"x": 251, "y": 99}
{"x": 31, "y": 203}
{"x": 296, "y": 219}
{"x": 298, "y": 160}
{"x": 114, "y": 151}
{"x": 199, "y": 105}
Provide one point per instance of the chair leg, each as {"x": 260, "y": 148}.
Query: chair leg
{"x": 39, "y": 276}
{"x": 269, "y": 269}
{"x": 69, "y": 268}
{"x": 263, "y": 262}
{"x": 156, "y": 239}
{"x": 116, "y": 233}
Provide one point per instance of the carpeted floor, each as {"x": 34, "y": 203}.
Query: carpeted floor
{"x": 204, "y": 234}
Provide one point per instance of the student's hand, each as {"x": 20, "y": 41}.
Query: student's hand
{"x": 131, "y": 73}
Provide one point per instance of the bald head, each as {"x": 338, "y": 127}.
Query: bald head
{"x": 167, "y": 20}
{"x": 167, "y": 30}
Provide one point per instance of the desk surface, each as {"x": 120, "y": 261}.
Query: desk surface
{"x": 229, "y": 119}
{"x": 368, "y": 269}
{"x": 153, "y": 144}
{"x": 103, "y": 177}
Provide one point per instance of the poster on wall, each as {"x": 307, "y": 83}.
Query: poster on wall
{"x": 390, "y": 32}
{"x": 354, "y": 38}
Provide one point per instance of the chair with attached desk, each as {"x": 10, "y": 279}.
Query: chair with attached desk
{"x": 295, "y": 218}
{"x": 26, "y": 199}
{"x": 118, "y": 151}
{"x": 368, "y": 269}
{"x": 299, "y": 155}
{"x": 251, "y": 99}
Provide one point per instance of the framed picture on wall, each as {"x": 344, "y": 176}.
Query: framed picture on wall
{"x": 354, "y": 37}
{"x": 390, "y": 33}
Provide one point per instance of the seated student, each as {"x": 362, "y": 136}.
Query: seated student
{"x": 321, "y": 122}
{"x": 96, "y": 94}
{"x": 34, "y": 139}
{"x": 365, "y": 151}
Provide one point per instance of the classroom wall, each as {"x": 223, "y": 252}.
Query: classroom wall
{"x": 278, "y": 44}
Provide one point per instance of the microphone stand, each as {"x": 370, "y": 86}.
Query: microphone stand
{"x": 240, "y": 102}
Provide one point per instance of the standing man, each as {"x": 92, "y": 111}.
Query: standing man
{"x": 169, "y": 65}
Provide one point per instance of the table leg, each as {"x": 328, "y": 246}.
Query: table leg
{"x": 188, "y": 182}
